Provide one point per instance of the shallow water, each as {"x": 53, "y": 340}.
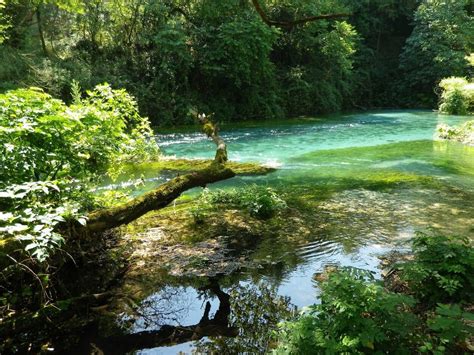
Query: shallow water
{"x": 372, "y": 179}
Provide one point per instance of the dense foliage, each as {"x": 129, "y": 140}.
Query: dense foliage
{"x": 358, "y": 315}
{"x": 457, "y": 95}
{"x": 354, "y": 315}
{"x": 443, "y": 35}
{"x": 52, "y": 155}
{"x": 221, "y": 57}
{"x": 442, "y": 269}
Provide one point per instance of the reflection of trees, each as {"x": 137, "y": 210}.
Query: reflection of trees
{"x": 217, "y": 326}
{"x": 243, "y": 323}
{"x": 169, "y": 306}
{"x": 255, "y": 312}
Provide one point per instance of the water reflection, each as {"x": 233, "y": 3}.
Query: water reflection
{"x": 255, "y": 312}
{"x": 166, "y": 334}
{"x": 244, "y": 320}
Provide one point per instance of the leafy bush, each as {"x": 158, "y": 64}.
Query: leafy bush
{"x": 442, "y": 269}
{"x": 34, "y": 220}
{"x": 457, "y": 97}
{"x": 448, "y": 326}
{"x": 260, "y": 202}
{"x": 51, "y": 152}
{"x": 356, "y": 316}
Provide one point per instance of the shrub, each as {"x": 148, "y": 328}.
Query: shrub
{"x": 260, "y": 202}
{"x": 356, "y": 316}
{"x": 50, "y": 152}
{"x": 442, "y": 269}
{"x": 457, "y": 97}
{"x": 449, "y": 326}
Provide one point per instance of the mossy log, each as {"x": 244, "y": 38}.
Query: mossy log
{"x": 102, "y": 220}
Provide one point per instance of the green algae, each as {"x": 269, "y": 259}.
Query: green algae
{"x": 187, "y": 165}
{"x": 413, "y": 155}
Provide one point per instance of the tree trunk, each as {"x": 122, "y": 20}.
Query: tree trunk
{"x": 40, "y": 31}
{"x": 162, "y": 196}
{"x": 102, "y": 220}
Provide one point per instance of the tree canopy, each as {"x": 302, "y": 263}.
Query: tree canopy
{"x": 239, "y": 59}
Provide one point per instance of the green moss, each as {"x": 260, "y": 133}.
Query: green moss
{"x": 186, "y": 165}
{"x": 249, "y": 168}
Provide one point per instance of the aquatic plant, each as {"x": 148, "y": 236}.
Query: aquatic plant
{"x": 260, "y": 202}
{"x": 464, "y": 133}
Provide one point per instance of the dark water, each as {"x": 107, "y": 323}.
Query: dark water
{"x": 372, "y": 180}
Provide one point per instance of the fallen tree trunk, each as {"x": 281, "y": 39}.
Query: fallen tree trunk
{"x": 162, "y": 196}
{"x": 102, "y": 220}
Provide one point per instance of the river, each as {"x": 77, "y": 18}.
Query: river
{"x": 372, "y": 181}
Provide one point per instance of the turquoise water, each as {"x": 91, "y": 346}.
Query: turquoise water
{"x": 281, "y": 143}
{"x": 372, "y": 180}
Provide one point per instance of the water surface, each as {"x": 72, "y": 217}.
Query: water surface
{"x": 370, "y": 180}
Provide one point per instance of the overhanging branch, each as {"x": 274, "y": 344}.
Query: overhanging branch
{"x": 291, "y": 24}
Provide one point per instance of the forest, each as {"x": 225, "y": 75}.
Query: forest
{"x": 237, "y": 176}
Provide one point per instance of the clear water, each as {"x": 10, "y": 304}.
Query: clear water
{"x": 373, "y": 179}
{"x": 281, "y": 143}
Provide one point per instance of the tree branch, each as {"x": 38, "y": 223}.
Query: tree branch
{"x": 291, "y": 24}
{"x": 163, "y": 195}
{"x": 40, "y": 31}
{"x": 212, "y": 131}
{"x": 102, "y": 220}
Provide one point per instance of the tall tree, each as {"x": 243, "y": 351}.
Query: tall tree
{"x": 442, "y": 37}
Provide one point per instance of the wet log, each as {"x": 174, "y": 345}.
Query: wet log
{"x": 102, "y": 220}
